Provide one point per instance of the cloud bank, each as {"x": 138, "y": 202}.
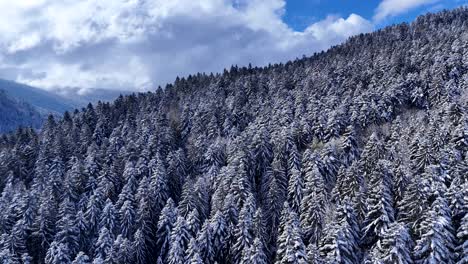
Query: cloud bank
{"x": 139, "y": 44}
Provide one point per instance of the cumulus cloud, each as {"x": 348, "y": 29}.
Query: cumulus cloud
{"x": 139, "y": 44}
{"x": 388, "y": 8}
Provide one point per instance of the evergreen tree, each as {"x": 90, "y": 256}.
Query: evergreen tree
{"x": 291, "y": 248}
{"x": 57, "y": 254}
{"x": 244, "y": 232}
{"x": 380, "y": 204}
{"x": 295, "y": 190}
{"x": 437, "y": 241}
{"x": 180, "y": 237}
{"x": 219, "y": 236}
{"x": 204, "y": 241}
{"x": 139, "y": 247}
{"x": 192, "y": 254}
{"x": 462, "y": 236}
{"x": 68, "y": 234}
{"x": 103, "y": 244}
{"x": 313, "y": 254}
{"x": 394, "y": 246}
{"x": 81, "y": 258}
{"x": 127, "y": 219}
{"x": 108, "y": 217}
{"x": 255, "y": 254}
{"x": 313, "y": 205}
{"x": 166, "y": 222}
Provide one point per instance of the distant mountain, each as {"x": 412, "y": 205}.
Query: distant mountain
{"x": 14, "y": 113}
{"x": 45, "y": 102}
{"x": 24, "y": 105}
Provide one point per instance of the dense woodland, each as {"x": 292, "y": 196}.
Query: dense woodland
{"x": 353, "y": 155}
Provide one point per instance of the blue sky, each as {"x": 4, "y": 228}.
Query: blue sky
{"x": 301, "y": 13}
{"x": 70, "y": 45}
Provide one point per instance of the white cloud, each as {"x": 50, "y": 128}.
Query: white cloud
{"x": 138, "y": 44}
{"x": 24, "y": 42}
{"x": 388, "y": 8}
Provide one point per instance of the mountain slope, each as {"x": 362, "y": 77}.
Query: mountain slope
{"x": 354, "y": 155}
{"x": 26, "y": 103}
{"x": 45, "y": 102}
{"x": 14, "y": 114}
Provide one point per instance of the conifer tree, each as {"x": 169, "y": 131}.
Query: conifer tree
{"x": 380, "y": 204}
{"x": 180, "y": 237}
{"x": 437, "y": 241}
{"x": 291, "y": 248}
{"x": 166, "y": 222}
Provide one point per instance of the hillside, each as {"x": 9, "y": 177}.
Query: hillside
{"x": 30, "y": 106}
{"x": 14, "y": 114}
{"x": 43, "y": 101}
{"x": 353, "y": 155}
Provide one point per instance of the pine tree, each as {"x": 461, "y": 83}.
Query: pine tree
{"x": 192, "y": 254}
{"x": 93, "y": 213}
{"x": 108, "y": 217}
{"x": 372, "y": 152}
{"x": 313, "y": 205}
{"x": 219, "y": 236}
{"x": 348, "y": 146}
{"x": 414, "y": 203}
{"x": 122, "y": 251}
{"x": 291, "y": 248}
{"x": 127, "y": 219}
{"x": 193, "y": 222}
{"x": 180, "y": 237}
{"x": 6, "y": 257}
{"x": 273, "y": 209}
{"x": 44, "y": 229}
{"x": 335, "y": 246}
{"x": 462, "y": 236}
{"x": 380, "y": 204}
{"x": 394, "y": 246}
{"x": 313, "y": 254}
{"x": 159, "y": 188}
{"x": 244, "y": 232}
{"x": 68, "y": 234}
{"x": 349, "y": 225}
{"x": 205, "y": 244}
{"x": 57, "y": 254}
{"x": 166, "y": 222}
{"x": 437, "y": 241}
{"x": 295, "y": 190}
{"x": 81, "y": 258}
{"x": 255, "y": 254}
{"x": 139, "y": 247}
{"x": 82, "y": 230}
{"x": 18, "y": 237}
{"x": 103, "y": 244}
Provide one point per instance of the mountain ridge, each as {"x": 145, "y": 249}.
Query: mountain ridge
{"x": 44, "y": 101}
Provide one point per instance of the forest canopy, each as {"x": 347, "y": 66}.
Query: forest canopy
{"x": 353, "y": 155}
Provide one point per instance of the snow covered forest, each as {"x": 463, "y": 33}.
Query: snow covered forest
{"x": 353, "y": 155}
